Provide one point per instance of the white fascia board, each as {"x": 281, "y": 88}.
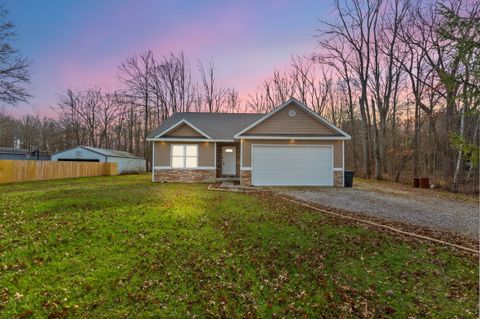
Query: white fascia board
{"x": 172, "y": 139}
{"x": 273, "y": 137}
{"x": 225, "y": 141}
{"x": 322, "y": 119}
{"x": 302, "y": 106}
{"x": 183, "y": 121}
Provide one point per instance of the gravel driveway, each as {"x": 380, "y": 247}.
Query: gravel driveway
{"x": 404, "y": 206}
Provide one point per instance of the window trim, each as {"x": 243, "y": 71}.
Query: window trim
{"x": 184, "y": 156}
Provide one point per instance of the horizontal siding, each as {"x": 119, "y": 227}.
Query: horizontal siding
{"x": 282, "y": 123}
{"x": 206, "y": 153}
{"x": 247, "y": 149}
{"x": 185, "y": 131}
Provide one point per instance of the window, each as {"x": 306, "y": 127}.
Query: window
{"x": 184, "y": 156}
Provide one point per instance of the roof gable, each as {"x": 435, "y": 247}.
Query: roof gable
{"x": 185, "y": 127}
{"x": 184, "y": 130}
{"x": 282, "y": 123}
{"x": 292, "y": 118}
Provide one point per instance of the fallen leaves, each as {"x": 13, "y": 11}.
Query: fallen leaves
{"x": 130, "y": 248}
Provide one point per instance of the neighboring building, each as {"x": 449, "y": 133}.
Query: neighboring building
{"x": 21, "y": 154}
{"x": 291, "y": 145}
{"x": 127, "y": 163}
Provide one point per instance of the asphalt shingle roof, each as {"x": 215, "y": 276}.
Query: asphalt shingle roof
{"x": 219, "y": 126}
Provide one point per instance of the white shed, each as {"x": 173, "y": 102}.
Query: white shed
{"x": 127, "y": 163}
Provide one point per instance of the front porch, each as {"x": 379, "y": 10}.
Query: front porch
{"x": 227, "y": 162}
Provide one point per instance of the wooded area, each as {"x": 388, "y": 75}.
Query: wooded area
{"x": 402, "y": 77}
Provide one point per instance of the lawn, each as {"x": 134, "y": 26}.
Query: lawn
{"x": 124, "y": 247}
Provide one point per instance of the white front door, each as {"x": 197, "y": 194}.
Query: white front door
{"x": 292, "y": 165}
{"x": 228, "y": 160}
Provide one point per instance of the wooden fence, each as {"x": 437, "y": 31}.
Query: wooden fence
{"x": 21, "y": 171}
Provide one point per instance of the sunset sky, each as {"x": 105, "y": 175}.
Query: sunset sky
{"x": 74, "y": 44}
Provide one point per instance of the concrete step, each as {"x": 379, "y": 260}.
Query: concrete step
{"x": 228, "y": 179}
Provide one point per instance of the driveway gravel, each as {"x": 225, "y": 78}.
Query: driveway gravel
{"x": 419, "y": 209}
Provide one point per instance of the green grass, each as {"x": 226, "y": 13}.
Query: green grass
{"x": 124, "y": 247}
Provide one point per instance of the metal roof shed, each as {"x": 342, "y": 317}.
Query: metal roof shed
{"x": 127, "y": 163}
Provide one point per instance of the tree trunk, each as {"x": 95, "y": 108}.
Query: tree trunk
{"x": 376, "y": 144}
{"x": 365, "y": 140}
{"x": 415, "y": 154}
{"x": 352, "y": 129}
{"x": 460, "y": 153}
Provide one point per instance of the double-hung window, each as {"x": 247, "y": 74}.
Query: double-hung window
{"x": 184, "y": 156}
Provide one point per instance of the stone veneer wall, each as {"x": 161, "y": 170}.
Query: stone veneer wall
{"x": 185, "y": 175}
{"x": 338, "y": 179}
{"x": 245, "y": 177}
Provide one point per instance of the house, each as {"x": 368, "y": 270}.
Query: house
{"x": 127, "y": 163}
{"x": 290, "y": 146}
{"x": 7, "y": 153}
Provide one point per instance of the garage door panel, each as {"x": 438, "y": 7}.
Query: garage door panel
{"x": 311, "y": 161}
{"x": 306, "y": 155}
{"x": 286, "y": 150}
{"x": 292, "y": 165}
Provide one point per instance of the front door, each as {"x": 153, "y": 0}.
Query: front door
{"x": 229, "y": 160}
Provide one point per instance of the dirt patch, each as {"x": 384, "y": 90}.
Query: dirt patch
{"x": 404, "y": 189}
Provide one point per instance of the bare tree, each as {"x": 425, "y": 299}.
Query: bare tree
{"x": 232, "y": 104}
{"x": 136, "y": 74}
{"x": 385, "y": 73}
{"x": 14, "y": 68}
{"x": 171, "y": 86}
{"x": 357, "y": 20}
{"x": 213, "y": 94}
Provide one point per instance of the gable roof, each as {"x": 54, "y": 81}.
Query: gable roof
{"x": 178, "y": 124}
{"x": 109, "y": 152}
{"x": 316, "y": 116}
{"x": 230, "y": 126}
{"x": 103, "y": 151}
{"x": 217, "y": 126}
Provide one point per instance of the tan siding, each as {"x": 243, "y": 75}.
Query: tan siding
{"x": 281, "y": 123}
{"x": 337, "y": 149}
{"x": 206, "y": 155}
{"x": 184, "y": 130}
{"x": 162, "y": 154}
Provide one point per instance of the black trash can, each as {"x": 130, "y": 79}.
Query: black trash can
{"x": 348, "y": 178}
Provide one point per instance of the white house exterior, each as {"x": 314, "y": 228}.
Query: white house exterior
{"x": 127, "y": 163}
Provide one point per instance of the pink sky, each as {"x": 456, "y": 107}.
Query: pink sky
{"x": 76, "y": 45}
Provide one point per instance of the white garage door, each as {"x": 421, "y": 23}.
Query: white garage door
{"x": 292, "y": 166}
